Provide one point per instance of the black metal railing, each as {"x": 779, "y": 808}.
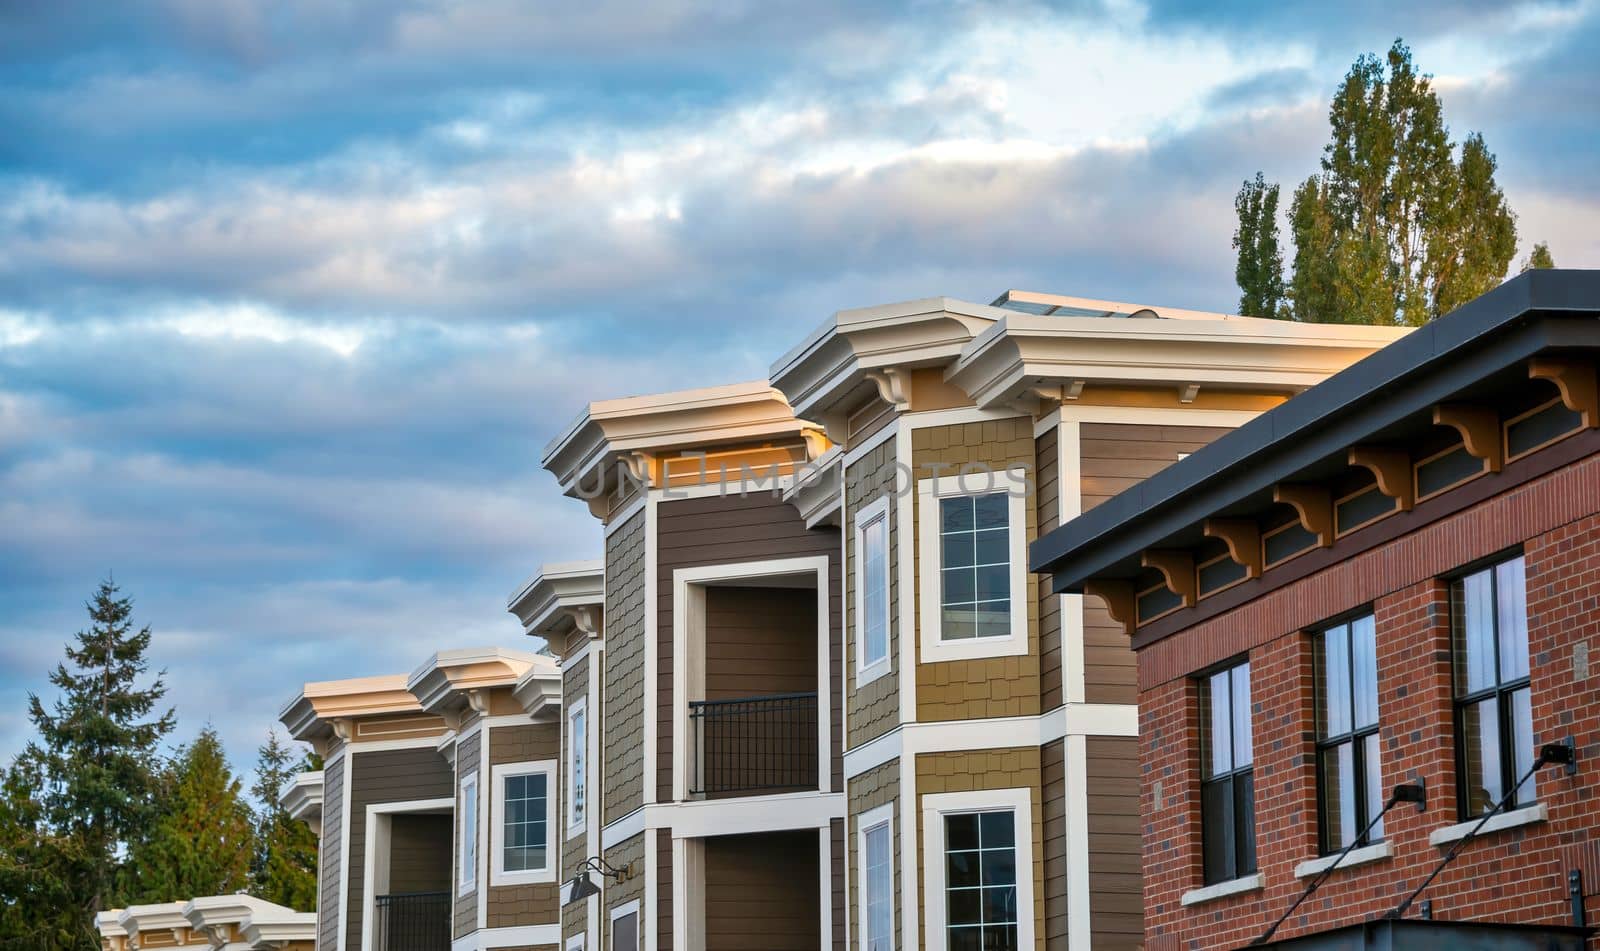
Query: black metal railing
{"x": 753, "y": 743}
{"x": 418, "y": 921}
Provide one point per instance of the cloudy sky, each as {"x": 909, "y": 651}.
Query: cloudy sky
{"x": 292, "y": 294}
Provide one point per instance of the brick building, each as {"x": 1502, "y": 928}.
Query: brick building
{"x": 1391, "y": 580}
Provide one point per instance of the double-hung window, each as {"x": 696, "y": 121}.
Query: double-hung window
{"x": 1494, "y": 715}
{"x": 973, "y": 541}
{"x": 524, "y": 815}
{"x": 981, "y": 881}
{"x": 875, "y": 846}
{"x": 1227, "y": 776}
{"x": 577, "y": 766}
{"x": 1349, "y": 779}
{"x": 872, "y": 590}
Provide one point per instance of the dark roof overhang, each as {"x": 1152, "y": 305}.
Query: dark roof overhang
{"x": 1413, "y": 934}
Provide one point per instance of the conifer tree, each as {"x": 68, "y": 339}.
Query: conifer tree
{"x": 285, "y": 868}
{"x": 91, "y": 770}
{"x": 202, "y": 837}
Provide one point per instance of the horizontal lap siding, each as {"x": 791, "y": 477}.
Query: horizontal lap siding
{"x": 762, "y": 892}
{"x": 1112, "y": 770}
{"x": 719, "y": 530}
{"x": 379, "y": 777}
{"x": 1048, "y": 502}
{"x": 1052, "y": 772}
{"x": 1114, "y": 457}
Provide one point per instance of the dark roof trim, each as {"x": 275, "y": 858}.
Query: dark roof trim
{"x": 1407, "y": 376}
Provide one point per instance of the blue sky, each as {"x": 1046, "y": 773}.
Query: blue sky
{"x": 293, "y": 293}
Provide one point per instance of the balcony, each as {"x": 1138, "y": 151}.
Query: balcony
{"x": 417, "y": 921}
{"x": 753, "y": 745}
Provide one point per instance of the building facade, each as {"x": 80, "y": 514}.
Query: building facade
{"x": 1363, "y": 627}
{"x": 211, "y": 923}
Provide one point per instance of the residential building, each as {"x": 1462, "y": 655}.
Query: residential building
{"x": 1364, "y": 625}
{"x": 436, "y": 802}
{"x": 825, "y": 705}
{"x": 235, "y": 922}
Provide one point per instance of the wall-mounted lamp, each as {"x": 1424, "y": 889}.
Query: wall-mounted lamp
{"x": 582, "y": 886}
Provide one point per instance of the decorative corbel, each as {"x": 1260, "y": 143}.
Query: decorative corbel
{"x": 894, "y": 386}
{"x": 1177, "y": 568}
{"x": 1313, "y": 504}
{"x": 1576, "y": 381}
{"x": 1118, "y": 597}
{"x": 1243, "y": 538}
{"x": 587, "y": 620}
{"x": 640, "y": 466}
{"x": 1392, "y": 468}
{"x": 1073, "y": 390}
{"x": 343, "y": 729}
{"x": 817, "y": 442}
{"x": 1479, "y": 427}
{"x": 478, "y": 700}
{"x": 1188, "y": 392}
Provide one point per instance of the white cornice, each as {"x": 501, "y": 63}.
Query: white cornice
{"x": 303, "y": 797}
{"x": 309, "y": 713}
{"x": 554, "y": 600}
{"x": 163, "y": 916}
{"x": 816, "y": 493}
{"x": 272, "y": 929}
{"x": 539, "y": 691}
{"x": 442, "y": 683}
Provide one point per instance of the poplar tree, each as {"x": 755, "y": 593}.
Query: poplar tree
{"x": 89, "y": 776}
{"x": 285, "y": 866}
{"x": 1259, "y": 270}
{"x": 1539, "y": 257}
{"x": 202, "y": 838}
{"x": 1398, "y": 226}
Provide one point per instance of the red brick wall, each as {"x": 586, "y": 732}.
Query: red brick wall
{"x": 1512, "y": 875}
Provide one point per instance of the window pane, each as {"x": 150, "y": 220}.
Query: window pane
{"x": 875, "y": 593}
{"x": 1522, "y": 743}
{"x": 1244, "y": 823}
{"x": 958, "y": 551}
{"x": 1216, "y": 829}
{"x": 1374, "y": 770}
{"x": 1000, "y": 867}
{"x": 1243, "y": 744}
{"x": 960, "y": 832}
{"x": 1339, "y": 796}
{"x": 1000, "y": 905}
{"x": 1217, "y": 725}
{"x": 1480, "y": 755}
{"x": 1472, "y": 616}
{"x": 966, "y": 939}
{"x": 957, "y": 623}
{"x": 992, "y": 618}
{"x": 625, "y": 933}
{"x": 966, "y": 906}
{"x": 1511, "y": 615}
{"x": 959, "y": 584}
{"x": 879, "y": 882}
{"x": 1335, "y": 692}
{"x": 993, "y": 547}
{"x": 997, "y": 829}
{"x": 961, "y": 870}
{"x": 1364, "y": 672}
{"x": 990, "y": 511}
{"x": 994, "y": 583}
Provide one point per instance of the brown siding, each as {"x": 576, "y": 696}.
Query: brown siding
{"x": 719, "y": 530}
{"x": 419, "y": 853}
{"x": 1115, "y": 891}
{"x": 378, "y": 777}
{"x": 663, "y": 890}
{"x": 574, "y": 685}
{"x": 836, "y": 878}
{"x": 874, "y": 709}
{"x": 1053, "y": 782}
{"x": 329, "y": 854}
{"x": 622, "y": 752}
{"x": 1047, "y": 479}
{"x": 468, "y": 760}
{"x": 754, "y": 903}
{"x": 990, "y": 686}
{"x": 513, "y": 905}
{"x": 760, "y": 641}
{"x": 876, "y": 787}
{"x": 1114, "y": 456}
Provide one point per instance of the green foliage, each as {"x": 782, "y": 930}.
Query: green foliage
{"x": 284, "y": 869}
{"x": 1539, "y": 257}
{"x": 83, "y": 789}
{"x": 1260, "y": 264}
{"x": 202, "y": 836}
{"x": 1395, "y": 229}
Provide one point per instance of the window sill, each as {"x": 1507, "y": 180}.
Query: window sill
{"x": 1367, "y": 853}
{"x": 866, "y": 675}
{"x": 1527, "y": 815}
{"x": 1237, "y": 886}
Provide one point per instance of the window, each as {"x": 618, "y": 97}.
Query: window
{"x": 1227, "y": 786}
{"x": 577, "y": 942}
{"x": 625, "y": 927}
{"x": 1349, "y": 780}
{"x": 979, "y": 872}
{"x": 876, "y": 891}
{"x": 1494, "y": 716}
{"x": 469, "y": 833}
{"x": 872, "y": 591}
{"x": 577, "y": 765}
{"x": 524, "y": 813}
{"x": 973, "y": 536}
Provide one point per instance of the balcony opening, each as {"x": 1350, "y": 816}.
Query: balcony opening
{"x": 749, "y": 662}
{"x": 762, "y": 891}
{"x": 411, "y": 880}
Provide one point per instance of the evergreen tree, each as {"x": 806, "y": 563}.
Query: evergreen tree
{"x": 1260, "y": 264}
{"x": 285, "y": 866}
{"x": 202, "y": 838}
{"x": 1395, "y": 229}
{"x": 1539, "y": 257}
{"x": 90, "y": 773}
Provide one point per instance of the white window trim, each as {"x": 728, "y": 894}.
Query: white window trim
{"x": 468, "y": 864}
{"x": 622, "y": 911}
{"x": 576, "y": 942}
{"x": 576, "y": 822}
{"x": 934, "y": 808}
{"x": 866, "y": 673}
{"x": 866, "y": 822}
{"x": 497, "y": 829}
{"x": 1014, "y": 483}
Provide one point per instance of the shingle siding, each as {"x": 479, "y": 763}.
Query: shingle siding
{"x": 622, "y": 751}
{"x": 874, "y": 709}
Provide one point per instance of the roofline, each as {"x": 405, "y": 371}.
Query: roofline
{"x": 300, "y": 715}
{"x": 646, "y": 404}
{"x": 436, "y": 683}
{"x": 1114, "y": 307}
{"x": 1429, "y": 364}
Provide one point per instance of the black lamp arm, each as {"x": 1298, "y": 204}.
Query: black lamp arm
{"x": 1550, "y": 754}
{"x": 1416, "y": 793}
